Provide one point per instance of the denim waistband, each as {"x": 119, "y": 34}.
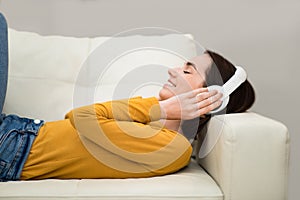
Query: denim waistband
{"x": 16, "y": 137}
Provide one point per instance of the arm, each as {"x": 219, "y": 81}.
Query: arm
{"x": 190, "y": 105}
{"x": 134, "y": 110}
{"x": 126, "y": 129}
{"x": 184, "y": 106}
{"x": 250, "y": 159}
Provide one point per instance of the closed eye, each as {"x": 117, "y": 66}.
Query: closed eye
{"x": 189, "y": 67}
{"x": 191, "y": 64}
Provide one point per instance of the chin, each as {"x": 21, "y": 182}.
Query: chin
{"x": 165, "y": 94}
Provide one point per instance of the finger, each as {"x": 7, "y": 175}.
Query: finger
{"x": 216, "y": 97}
{"x": 198, "y": 91}
{"x": 206, "y": 95}
{"x": 210, "y": 100}
{"x": 206, "y": 109}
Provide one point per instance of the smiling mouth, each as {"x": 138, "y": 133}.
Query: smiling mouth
{"x": 169, "y": 83}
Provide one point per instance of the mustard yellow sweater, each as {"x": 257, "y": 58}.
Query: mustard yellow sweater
{"x": 116, "y": 139}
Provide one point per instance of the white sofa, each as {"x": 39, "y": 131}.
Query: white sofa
{"x": 248, "y": 162}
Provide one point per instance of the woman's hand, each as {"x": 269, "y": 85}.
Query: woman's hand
{"x": 190, "y": 105}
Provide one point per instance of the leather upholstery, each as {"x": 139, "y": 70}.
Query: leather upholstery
{"x": 249, "y": 160}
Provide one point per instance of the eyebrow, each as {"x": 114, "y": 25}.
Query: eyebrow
{"x": 192, "y": 64}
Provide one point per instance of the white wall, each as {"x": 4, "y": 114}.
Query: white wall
{"x": 263, "y": 36}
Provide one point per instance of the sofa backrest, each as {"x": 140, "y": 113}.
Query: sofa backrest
{"x": 50, "y": 75}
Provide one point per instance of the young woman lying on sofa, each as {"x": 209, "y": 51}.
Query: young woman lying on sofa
{"x": 136, "y": 137}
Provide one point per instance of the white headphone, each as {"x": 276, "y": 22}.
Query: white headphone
{"x": 232, "y": 84}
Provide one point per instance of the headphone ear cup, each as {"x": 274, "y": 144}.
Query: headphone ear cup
{"x": 216, "y": 87}
{"x": 225, "y": 98}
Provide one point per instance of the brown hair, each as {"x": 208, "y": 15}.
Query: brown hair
{"x": 240, "y": 100}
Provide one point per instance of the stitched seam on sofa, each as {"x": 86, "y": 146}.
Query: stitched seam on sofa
{"x": 41, "y": 78}
{"x": 232, "y": 147}
{"x": 73, "y": 82}
{"x": 231, "y": 169}
{"x": 114, "y": 197}
{"x": 218, "y": 176}
{"x": 287, "y": 160}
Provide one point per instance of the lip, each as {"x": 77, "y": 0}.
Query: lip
{"x": 172, "y": 83}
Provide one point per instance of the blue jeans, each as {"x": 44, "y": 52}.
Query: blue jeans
{"x": 16, "y": 133}
{"x": 3, "y": 60}
{"x": 16, "y": 137}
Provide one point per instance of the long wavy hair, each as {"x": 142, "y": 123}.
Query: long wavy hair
{"x": 240, "y": 100}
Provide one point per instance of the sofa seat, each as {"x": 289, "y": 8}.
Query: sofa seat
{"x": 190, "y": 183}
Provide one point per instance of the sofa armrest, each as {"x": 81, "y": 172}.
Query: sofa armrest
{"x": 250, "y": 160}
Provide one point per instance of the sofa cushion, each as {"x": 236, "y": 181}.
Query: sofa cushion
{"x": 45, "y": 73}
{"x": 49, "y": 75}
{"x": 190, "y": 183}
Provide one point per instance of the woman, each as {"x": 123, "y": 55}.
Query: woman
{"x": 119, "y": 139}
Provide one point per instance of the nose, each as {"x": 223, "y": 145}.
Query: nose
{"x": 173, "y": 71}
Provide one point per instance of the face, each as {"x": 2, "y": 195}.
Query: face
{"x": 188, "y": 77}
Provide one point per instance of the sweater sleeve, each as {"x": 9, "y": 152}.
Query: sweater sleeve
{"x": 127, "y": 129}
{"x": 134, "y": 109}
